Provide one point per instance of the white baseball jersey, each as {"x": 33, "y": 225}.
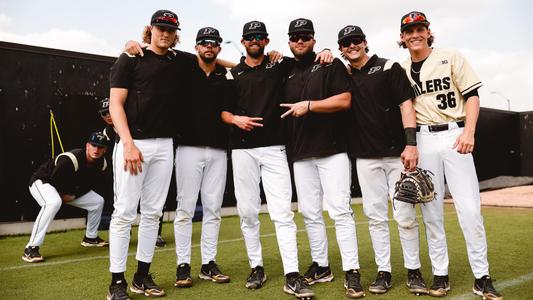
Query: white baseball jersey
{"x": 445, "y": 77}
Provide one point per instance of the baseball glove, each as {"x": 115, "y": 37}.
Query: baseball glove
{"x": 415, "y": 187}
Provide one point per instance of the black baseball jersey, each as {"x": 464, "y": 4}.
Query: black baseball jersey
{"x": 377, "y": 91}
{"x": 316, "y": 134}
{"x": 154, "y": 83}
{"x": 201, "y": 123}
{"x": 258, "y": 93}
{"x": 70, "y": 173}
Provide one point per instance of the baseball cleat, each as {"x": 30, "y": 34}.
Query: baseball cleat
{"x": 256, "y": 279}
{"x": 382, "y": 284}
{"x": 440, "y": 287}
{"x": 160, "y": 242}
{"x": 297, "y": 286}
{"x": 118, "y": 291}
{"x": 416, "y": 283}
{"x": 483, "y": 287}
{"x": 32, "y": 255}
{"x": 352, "y": 284}
{"x": 94, "y": 242}
{"x": 183, "y": 276}
{"x": 146, "y": 285}
{"x": 212, "y": 273}
{"x": 316, "y": 274}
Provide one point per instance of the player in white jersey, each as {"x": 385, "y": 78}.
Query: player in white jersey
{"x": 447, "y": 109}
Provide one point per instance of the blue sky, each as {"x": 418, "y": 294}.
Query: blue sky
{"x": 495, "y": 35}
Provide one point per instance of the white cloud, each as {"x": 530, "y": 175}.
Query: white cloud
{"x": 5, "y": 21}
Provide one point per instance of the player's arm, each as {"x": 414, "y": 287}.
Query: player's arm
{"x": 132, "y": 155}
{"x": 465, "y": 142}
{"x": 60, "y": 178}
{"x": 409, "y": 156}
{"x": 331, "y": 104}
{"x": 243, "y": 122}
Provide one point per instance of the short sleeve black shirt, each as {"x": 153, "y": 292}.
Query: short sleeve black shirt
{"x": 200, "y": 114}
{"x": 258, "y": 93}
{"x": 154, "y": 83}
{"x": 316, "y": 134}
{"x": 376, "y": 123}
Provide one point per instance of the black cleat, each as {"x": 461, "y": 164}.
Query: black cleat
{"x": 483, "y": 287}
{"x": 146, "y": 285}
{"x": 352, "y": 284}
{"x": 183, "y": 276}
{"x": 118, "y": 291}
{"x": 297, "y": 286}
{"x": 160, "y": 242}
{"x": 32, "y": 255}
{"x": 316, "y": 274}
{"x": 440, "y": 287}
{"x": 416, "y": 283}
{"x": 211, "y": 272}
{"x": 94, "y": 242}
{"x": 382, "y": 284}
{"x": 256, "y": 279}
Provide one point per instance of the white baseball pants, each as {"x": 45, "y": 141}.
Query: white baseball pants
{"x": 437, "y": 155}
{"x": 377, "y": 178}
{"x": 50, "y": 201}
{"x": 149, "y": 190}
{"x": 268, "y": 164}
{"x": 327, "y": 178}
{"x": 199, "y": 170}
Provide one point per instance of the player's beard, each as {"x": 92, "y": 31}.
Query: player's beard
{"x": 208, "y": 60}
{"x": 256, "y": 54}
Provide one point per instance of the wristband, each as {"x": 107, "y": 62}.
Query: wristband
{"x": 410, "y": 136}
{"x": 308, "y": 105}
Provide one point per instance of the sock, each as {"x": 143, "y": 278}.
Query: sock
{"x": 142, "y": 269}
{"x": 115, "y": 277}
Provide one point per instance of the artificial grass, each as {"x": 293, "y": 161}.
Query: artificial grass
{"x": 86, "y": 274}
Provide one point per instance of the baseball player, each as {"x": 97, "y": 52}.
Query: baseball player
{"x": 258, "y": 154}
{"x": 142, "y": 104}
{"x": 201, "y": 160}
{"x": 383, "y": 142}
{"x": 318, "y": 95}
{"x": 69, "y": 179}
{"x": 447, "y": 108}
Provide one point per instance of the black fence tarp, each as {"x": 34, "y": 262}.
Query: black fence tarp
{"x": 34, "y": 80}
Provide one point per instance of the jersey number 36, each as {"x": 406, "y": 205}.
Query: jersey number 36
{"x": 446, "y": 100}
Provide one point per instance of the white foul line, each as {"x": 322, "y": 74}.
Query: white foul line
{"x": 499, "y": 285}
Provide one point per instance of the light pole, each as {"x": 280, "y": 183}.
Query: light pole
{"x": 235, "y": 45}
{"x": 506, "y": 99}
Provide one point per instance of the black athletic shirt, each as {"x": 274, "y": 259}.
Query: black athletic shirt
{"x": 154, "y": 84}
{"x": 259, "y": 91}
{"x": 377, "y": 91}
{"x": 65, "y": 179}
{"x": 201, "y": 123}
{"x": 316, "y": 134}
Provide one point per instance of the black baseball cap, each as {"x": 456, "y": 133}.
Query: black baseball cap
{"x": 104, "y": 105}
{"x": 350, "y": 31}
{"x": 254, "y": 27}
{"x": 413, "y": 18}
{"x": 98, "y": 139}
{"x": 165, "y": 18}
{"x": 301, "y": 25}
{"x": 208, "y": 33}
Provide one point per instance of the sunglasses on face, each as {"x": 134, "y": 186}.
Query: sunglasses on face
{"x": 104, "y": 113}
{"x": 304, "y": 38}
{"x": 414, "y": 17}
{"x": 257, "y": 37}
{"x": 348, "y": 42}
{"x": 206, "y": 43}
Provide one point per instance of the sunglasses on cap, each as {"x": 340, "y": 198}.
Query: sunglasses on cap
{"x": 349, "y": 41}
{"x": 206, "y": 43}
{"x": 414, "y": 17}
{"x": 304, "y": 38}
{"x": 257, "y": 37}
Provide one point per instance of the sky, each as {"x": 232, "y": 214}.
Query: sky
{"x": 494, "y": 35}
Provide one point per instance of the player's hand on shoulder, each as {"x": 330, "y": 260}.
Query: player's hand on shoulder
{"x": 464, "y": 143}
{"x": 133, "y": 158}
{"x": 134, "y": 48}
{"x": 325, "y": 57}
{"x": 275, "y": 55}
{"x": 409, "y": 158}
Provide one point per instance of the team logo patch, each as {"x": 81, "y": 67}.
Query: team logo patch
{"x": 300, "y": 23}
{"x": 444, "y": 62}
{"x": 254, "y": 25}
{"x": 315, "y": 68}
{"x": 208, "y": 31}
{"x": 374, "y": 70}
{"x": 270, "y": 65}
{"x": 348, "y": 29}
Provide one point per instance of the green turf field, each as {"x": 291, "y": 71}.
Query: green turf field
{"x": 74, "y": 272}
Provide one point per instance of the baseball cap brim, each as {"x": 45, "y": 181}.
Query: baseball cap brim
{"x": 166, "y": 25}
{"x": 405, "y": 26}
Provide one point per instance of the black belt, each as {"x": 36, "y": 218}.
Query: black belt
{"x": 440, "y": 127}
